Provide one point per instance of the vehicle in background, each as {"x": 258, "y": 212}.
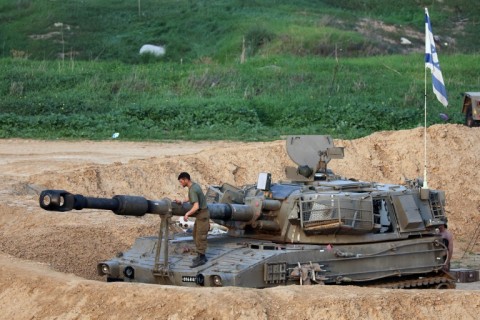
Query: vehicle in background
{"x": 471, "y": 108}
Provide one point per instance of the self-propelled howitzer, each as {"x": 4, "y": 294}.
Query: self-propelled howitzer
{"x": 316, "y": 227}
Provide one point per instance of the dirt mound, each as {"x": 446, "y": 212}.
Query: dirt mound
{"x": 43, "y": 293}
{"x": 73, "y": 243}
{"x": 156, "y": 177}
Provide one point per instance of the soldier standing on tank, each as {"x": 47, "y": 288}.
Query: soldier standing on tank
{"x": 447, "y": 238}
{"x": 199, "y": 210}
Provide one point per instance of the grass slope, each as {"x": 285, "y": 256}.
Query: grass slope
{"x": 116, "y": 29}
{"x": 261, "y": 99}
{"x": 70, "y": 69}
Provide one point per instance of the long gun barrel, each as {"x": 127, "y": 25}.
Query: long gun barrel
{"x": 60, "y": 200}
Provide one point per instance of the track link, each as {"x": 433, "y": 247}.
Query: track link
{"x": 427, "y": 282}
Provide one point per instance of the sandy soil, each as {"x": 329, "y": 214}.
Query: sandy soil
{"x": 48, "y": 259}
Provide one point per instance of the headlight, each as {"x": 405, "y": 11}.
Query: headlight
{"x": 200, "y": 279}
{"x": 105, "y": 269}
{"x": 217, "y": 281}
{"x": 46, "y": 200}
{"x": 129, "y": 272}
{"x": 109, "y": 268}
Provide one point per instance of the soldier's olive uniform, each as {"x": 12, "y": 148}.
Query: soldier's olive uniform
{"x": 202, "y": 216}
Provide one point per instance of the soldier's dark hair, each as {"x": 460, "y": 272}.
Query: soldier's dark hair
{"x": 184, "y": 175}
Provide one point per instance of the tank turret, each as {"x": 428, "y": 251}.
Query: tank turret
{"x": 317, "y": 227}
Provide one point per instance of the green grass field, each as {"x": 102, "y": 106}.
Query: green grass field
{"x": 308, "y": 69}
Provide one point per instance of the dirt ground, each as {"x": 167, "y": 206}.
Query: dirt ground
{"x": 48, "y": 260}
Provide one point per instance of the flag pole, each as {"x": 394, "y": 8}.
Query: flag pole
{"x": 425, "y": 184}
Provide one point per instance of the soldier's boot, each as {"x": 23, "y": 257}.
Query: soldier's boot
{"x": 202, "y": 259}
{"x": 196, "y": 259}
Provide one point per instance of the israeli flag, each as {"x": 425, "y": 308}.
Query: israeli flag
{"x": 431, "y": 62}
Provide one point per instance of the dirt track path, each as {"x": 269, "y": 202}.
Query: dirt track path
{"x": 26, "y": 157}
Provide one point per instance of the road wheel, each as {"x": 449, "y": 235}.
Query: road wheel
{"x": 469, "y": 122}
{"x": 446, "y": 285}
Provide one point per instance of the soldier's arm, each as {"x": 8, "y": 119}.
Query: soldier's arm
{"x": 191, "y": 211}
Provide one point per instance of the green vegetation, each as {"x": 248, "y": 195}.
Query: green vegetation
{"x": 261, "y": 99}
{"x": 71, "y": 69}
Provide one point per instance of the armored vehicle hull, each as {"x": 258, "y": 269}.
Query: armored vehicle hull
{"x": 259, "y": 264}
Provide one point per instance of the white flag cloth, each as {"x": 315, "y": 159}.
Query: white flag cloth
{"x": 431, "y": 62}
